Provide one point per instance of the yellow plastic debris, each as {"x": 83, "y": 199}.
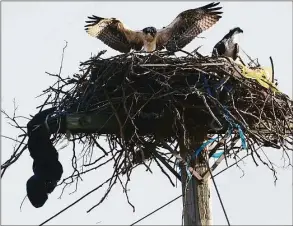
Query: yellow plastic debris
{"x": 262, "y": 75}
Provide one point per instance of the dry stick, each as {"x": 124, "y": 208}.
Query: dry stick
{"x": 74, "y": 162}
{"x": 274, "y": 114}
{"x": 210, "y": 111}
{"x": 288, "y": 125}
{"x": 98, "y": 145}
{"x": 14, "y": 121}
{"x": 164, "y": 172}
{"x": 127, "y": 112}
{"x": 167, "y": 165}
{"x": 14, "y": 157}
{"x": 271, "y": 168}
{"x": 119, "y": 123}
{"x": 111, "y": 184}
{"x": 126, "y": 193}
{"x": 253, "y": 149}
{"x": 97, "y": 160}
{"x": 273, "y": 71}
{"x": 17, "y": 141}
{"x": 233, "y": 103}
{"x": 86, "y": 171}
{"x": 262, "y": 109}
{"x": 248, "y": 130}
{"x": 252, "y": 61}
{"x": 228, "y": 167}
{"x": 59, "y": 75}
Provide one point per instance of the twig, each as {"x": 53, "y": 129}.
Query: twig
{"x": 273, "y": 71}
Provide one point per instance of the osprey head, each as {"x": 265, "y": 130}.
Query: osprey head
{"x": 150, "y": 30}
{"x": 236, "y": 30}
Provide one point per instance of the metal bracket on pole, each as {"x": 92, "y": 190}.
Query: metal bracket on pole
{"x": 195, "y": 174}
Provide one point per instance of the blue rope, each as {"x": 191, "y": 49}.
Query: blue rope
{"x": 236, "y": 125}
{"x": 232, "y": 125}
{"x": 217, "y": 155}
{"x": 196, "y": 153}
{"x": 243, "y": 141}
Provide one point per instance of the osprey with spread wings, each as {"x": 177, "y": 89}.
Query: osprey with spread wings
{"x": 183, "y": 29}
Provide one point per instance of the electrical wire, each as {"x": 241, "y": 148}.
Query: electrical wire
{"x": 218, "y": 193}
{"x": 76, "y": 201}
{"x": 168, "y": 203}
{"x": 213, "y": 176}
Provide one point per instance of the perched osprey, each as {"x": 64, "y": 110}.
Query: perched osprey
{"x": 228, "y": 46}
{"x": 183, "y": 29}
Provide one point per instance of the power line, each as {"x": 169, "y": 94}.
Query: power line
{"x": 156, "y": 210}
{"x": 181, "y": 196}
{"x": 72, "y": 204}
{"x": 216, "y": 187}
{"x": 61, "y": 211}
{"x": 231, "y": 165}
{"x": 218, "y": 193}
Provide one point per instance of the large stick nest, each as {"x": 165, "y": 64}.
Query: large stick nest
{"x": 161, "y": 96}
{"x": 145, "y": 101}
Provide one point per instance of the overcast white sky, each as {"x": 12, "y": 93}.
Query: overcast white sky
{"x": 33, "y": 35}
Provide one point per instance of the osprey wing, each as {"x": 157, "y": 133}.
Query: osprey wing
{"x": 219, "y": 49}
{"x": 187, "y": 25}
{"x": 114, "y": 34}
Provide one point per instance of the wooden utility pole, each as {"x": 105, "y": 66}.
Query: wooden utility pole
{"x": 196, "y": 193}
